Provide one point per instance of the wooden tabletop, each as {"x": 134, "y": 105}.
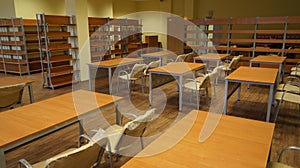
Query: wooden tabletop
{"x": 212, "y": 56}
{"x": 115, "y": 62}
{"x": 9, "y": 80}
{"x": 236, "y": 142}
{"x": 254, "y": 74}
{"x": 32, "y": 119}
{"x": 158, "y": 54}
{"x": 178, "y": 68}
{"x": 268, "y": 59}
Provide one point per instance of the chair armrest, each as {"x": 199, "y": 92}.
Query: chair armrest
{"x": 287, "y": 148}
{"x": 130, "y": 115}
{"x": 24, "y": 163}
{"x": 294, "y": 84}
{"x": 123, "y": 72}
{"x": 83, "y": 139}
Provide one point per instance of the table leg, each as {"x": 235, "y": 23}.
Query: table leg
{"x": 180, "y": 93}
{"x": 109, "y": 81}
{"x": 30, "y": 90}
{"x": 161, "y": 61}
{"x": 225, "y": 96}
{"x": 249, "y": 84}
{"x": 90, "y": 79}
{"x": 270, "y": 102}
{"x": 239, "y": 92}
{"x": 283, "y": 68}
{"x": 279, "y": 73}
{"x": 118, "y": 119}
{"x": 2, "y": 159}
{"x": 150, "y": 89}
{"x": 217, "y": 78}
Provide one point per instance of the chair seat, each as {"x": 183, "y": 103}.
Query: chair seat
{"x": 125, "y": 77}
{"x": 192, "y": 85}
{"x": 277, "y": 165}
{"x": 43, "y": 164}
{"x": 295, "y": 73}
{"x": 287, "y": 87}
{"x": 295, "y": 68}
{"x": 289, "y": 97}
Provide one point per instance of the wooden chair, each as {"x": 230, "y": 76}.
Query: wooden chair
{"x": 179, "y": 58}
{"x": 10, "y": 96}
{"x": 279, "y": 164}
{"x": 198, "y": 85}
{"x": 286, "y": 95}
{"x": 85, "y": 156}
{"x": 134, "y": 128}
{"x": 136, "y": 73}
{"x": 232, "y": 65}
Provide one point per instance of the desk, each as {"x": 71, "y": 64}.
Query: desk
{"x": 211, "y": 57}
{"x": 109, "y": 64}
{"x": 263, "y": 59}
{"x": 252, "y": 75}
{"x": 6, "y": 81}
{"x": 27, "y": 123}
{"x": 236, "y": 142}
{"x": 177, "y": 69}
{"x": 149, "y": 57}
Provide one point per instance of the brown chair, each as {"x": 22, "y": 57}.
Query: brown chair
{"x": 279, "y": 164}
{"x": 85, "y": 156}
{"x": 131, "y": 130}
{"x": 232, "y": 65}
{"x": 288, "y": 94}
{"x": 10, "y": 96}
{"x": 136, "y": 73}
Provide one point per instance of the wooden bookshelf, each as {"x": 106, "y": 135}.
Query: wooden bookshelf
{"x": 247, "y": 36}
{"x": 110, "y": 38}
{"x": 58, "y": 50}
{"x": 19, "y": 46}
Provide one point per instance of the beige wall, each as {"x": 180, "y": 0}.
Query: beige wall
{"x": 123, "y": 7}
{"x": 28, "y": 8}
{"x": 100, "y": 8}
{"x": 7, "y": 8}
{"x": 249, "y": 8}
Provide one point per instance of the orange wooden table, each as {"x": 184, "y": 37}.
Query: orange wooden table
{"x": 177, "y": 69}
{"x": 236, "y": 142}
{"x": 271, "y": 59}
{"x": 252, "y": 75}
{"x": 110, "y": 64}
{"x": 160, "y": 55}
{"x": 6, "y": 81}
{"x": 211, "y": 57}
{"x": 24, "y": 124}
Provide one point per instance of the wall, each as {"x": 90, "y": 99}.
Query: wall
{"x": 7, "y": 8}
{"x": 238, "y": 8}
{"x": 28, "y": 8}
{"x": 124, "y": 7}
{"x": 155, "y": 23}
{"x": 100, "y": 8}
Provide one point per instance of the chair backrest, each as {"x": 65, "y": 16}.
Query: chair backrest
{"x": 84, "y": 156}
{"x": 234, "y": 62}
{"x": 137, "y": 126}
{"x": 180, "y": 58}
{"x": 189, "y": 57}
{"x": 137, "y": 70}
{"x": 153, "y": 64}
{"x": 11, "y": 95}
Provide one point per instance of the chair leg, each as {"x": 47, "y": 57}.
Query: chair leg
{"x": 206, "y": 93}
{"x": 142, "y": 143}
{"x": 277, "y": 110}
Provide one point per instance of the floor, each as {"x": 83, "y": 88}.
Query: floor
{"x": 253, "y": 105}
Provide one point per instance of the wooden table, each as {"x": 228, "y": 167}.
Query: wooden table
{"x": 236, "y": 142}
{"x": 177, "y": 69}
{"x": 27, "y": 123}
{"x": 157, "y": 56}
{"x": 110, "y": 64}
{"x": 271, "y": 59}
{"x": 211, "y": 57}
{"x": 252, "y": 75}
{"x": 6, "y": 81}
